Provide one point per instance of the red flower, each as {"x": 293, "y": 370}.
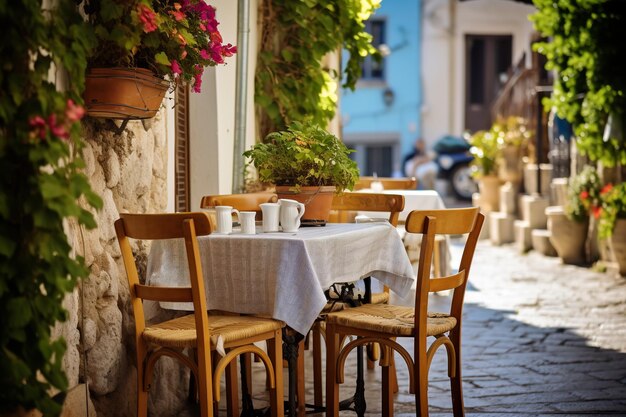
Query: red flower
{"x": 148, "y": 17}
{"x": 606, "y": 189}
{"x": 597, "y": 211}
{"x": 584, "y": 195}
{"x": 57, "y": 130}
{"x": 74, "y": 112}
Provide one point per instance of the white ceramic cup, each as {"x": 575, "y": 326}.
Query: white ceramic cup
{"x": 290, "y": 213}
{"x": 224, "y": 216}
{"x": 271, "y": 213}
{"x": 246, "y": 218}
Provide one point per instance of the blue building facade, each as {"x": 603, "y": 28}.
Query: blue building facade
{"x": 381, "y": 118}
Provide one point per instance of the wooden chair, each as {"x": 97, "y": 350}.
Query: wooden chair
{"x": 349, "y": 203}
{"x": 383, "y": 323}
{"x": 242, "y": 202}
{"x": 405, "y": 183}
{"x": 197, "y": 333}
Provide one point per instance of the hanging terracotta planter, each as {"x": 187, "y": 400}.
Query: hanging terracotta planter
{"x": 317, "y": 202}
{"x": 123, "y": 93}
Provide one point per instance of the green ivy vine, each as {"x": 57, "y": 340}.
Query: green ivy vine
{"x": 292, "y": 83}
{"x": 586, "y": 51}
{"x": 40, "y": 189}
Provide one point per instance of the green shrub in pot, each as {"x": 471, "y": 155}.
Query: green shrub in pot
{"x": 304, "y": 155}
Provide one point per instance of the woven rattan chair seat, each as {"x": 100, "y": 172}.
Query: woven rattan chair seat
{"x": 334, "y": 306}
{"x": 181, "y": 332}
{"x": 390, "y": 319}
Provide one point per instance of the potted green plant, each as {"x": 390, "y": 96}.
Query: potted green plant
{"x": 305, "y": 163}
{"x": 612, "y": 215}
{"x": 569, "y": 225}
{"x": 484, "y": 168}
{"x": 512, "y": 135}
{"x": 144, "y": 47}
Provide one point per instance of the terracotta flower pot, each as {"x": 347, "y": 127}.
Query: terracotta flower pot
{"x": 123, "y": 93}
{"x": 567, "y": 236}
{"x": 317, "y": 202}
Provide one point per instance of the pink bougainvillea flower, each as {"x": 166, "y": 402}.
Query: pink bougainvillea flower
{"x": 176, "y": 68}
{"x": 228, "y": 50}
{"x": 57, "y": 130}
{"x": 606, "y": 189}
{"x": 74, "y": 112}
{"x": 148, "y": 18}
{"x": 597, "y": 211}
{"x": 204, "y": 54}
{"x": 38, "y": 125}
{"x": 584, "y": 195}
{"x": 197, "y": 78}
{"x": 177, "y": 13}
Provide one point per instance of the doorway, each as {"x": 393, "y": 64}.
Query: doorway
{"x": 487, "y": 60}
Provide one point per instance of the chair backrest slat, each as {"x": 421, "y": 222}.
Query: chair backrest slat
{"x": 391, "y": 203}
{"x": 449, "y": 221}
{"x": 242, "y": 202}
{"x": 389, "y": 183}
{"x": 447, "y": 283}
{"x": 172, "y": 294}
{"x": 163, "y": 226}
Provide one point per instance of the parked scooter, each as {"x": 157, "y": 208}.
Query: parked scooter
{"x": 453, "y": 159}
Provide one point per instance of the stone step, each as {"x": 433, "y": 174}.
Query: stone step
{"x": 501, "y": 228}
{"x": 523, "y": 235}
{"x": 534, "y": 211}
{"x": 541, "y": 242}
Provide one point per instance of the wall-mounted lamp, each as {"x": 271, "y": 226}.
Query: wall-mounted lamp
{"x": 388, "y": 96}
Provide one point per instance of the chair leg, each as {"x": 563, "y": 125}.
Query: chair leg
{"x": 248, "y": 359}
{"x": 275, "y": 350}
{"x": 332, "y": 387}
{"x": 421, "y": 376}
{"x": 387, "y": 390}
{"x": 456, "y": 386}
{"x": 142, "y": 396}
{"x": 232, "y": 392}
{"x": 317, "y": 366}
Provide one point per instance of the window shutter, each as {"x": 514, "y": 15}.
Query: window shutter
{"x": 181, "y": 158}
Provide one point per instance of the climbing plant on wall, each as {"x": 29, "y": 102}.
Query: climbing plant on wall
{"x": 41, "y": 187}
{"x": 291, "y": 81}
{"x": 586, "y": 51}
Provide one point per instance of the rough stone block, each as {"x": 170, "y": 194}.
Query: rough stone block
{"x": 523, "y": 235}
{"x": 501, "y": 228}
{"x": 508, "y": 197}
{"x": 530, "y": 179}
{"x": 541, "y": 242}
{"x": 534, "y": 211}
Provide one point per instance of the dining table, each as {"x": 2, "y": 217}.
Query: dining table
{"x": 284, "y": 275}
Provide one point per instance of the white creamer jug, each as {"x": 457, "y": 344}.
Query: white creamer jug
{"x": 291, "y": 212}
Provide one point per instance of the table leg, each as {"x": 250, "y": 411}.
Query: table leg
{"x": 359, "y": 394}
{"x": 291, "y": 340}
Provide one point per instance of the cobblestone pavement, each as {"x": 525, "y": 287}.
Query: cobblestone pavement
{"x": 539, "y": 339}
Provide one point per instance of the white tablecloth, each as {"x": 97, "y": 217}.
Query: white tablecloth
{"x": 284, "y": 275}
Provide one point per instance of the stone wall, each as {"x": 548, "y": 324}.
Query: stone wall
{"x": 129, "y": 172}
